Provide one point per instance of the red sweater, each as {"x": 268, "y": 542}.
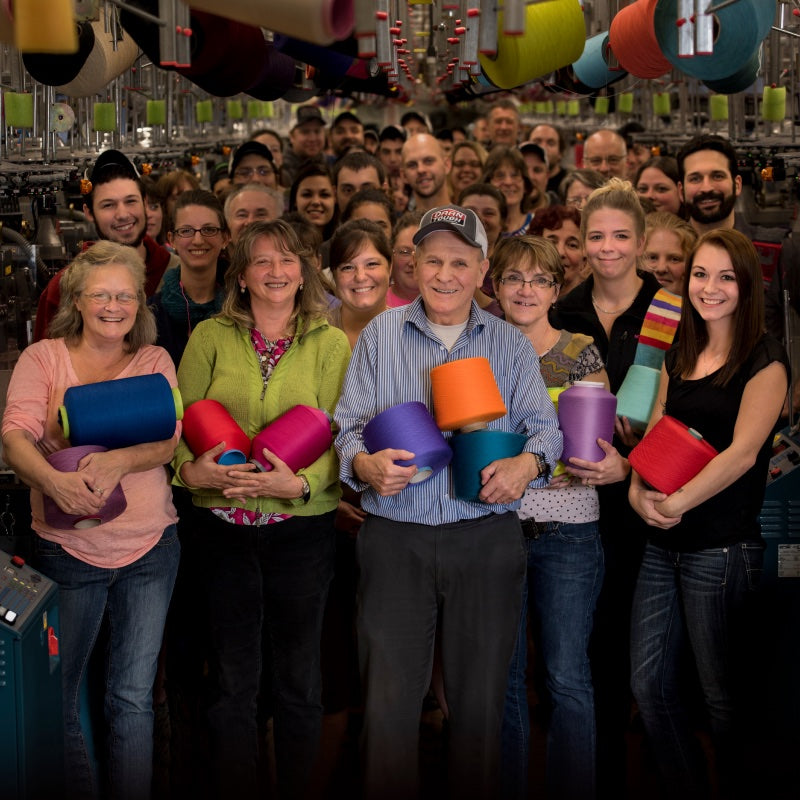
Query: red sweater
{"x": 156, "y": 262}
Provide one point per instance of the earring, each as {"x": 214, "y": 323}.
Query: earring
{"x": 300, "y": 287}
{"x": 241, "y": 289}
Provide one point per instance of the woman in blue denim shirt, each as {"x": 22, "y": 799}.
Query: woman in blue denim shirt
{"x": 726, "y": 379}
{"x": 565, "y": 558}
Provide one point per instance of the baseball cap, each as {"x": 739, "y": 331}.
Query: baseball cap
{"x": 346, "y": 116}
{"x": 409, "y": 115}
{"x": 112, "y": 159}
{"x": 532, "y": 147}
{"x": 308, "y": 114}
{"x": 456, "y": 220}
{"x": 247, "y": 149}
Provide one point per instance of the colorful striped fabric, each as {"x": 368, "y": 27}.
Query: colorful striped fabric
{"x": 658, "y": 329}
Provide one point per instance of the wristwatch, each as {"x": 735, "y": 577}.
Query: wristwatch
{"x": 541, "y": 465}
{"x": 306, "y": 489}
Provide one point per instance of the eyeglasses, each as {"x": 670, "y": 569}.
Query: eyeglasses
{"x": 403, "y": 252}
{"x": 577, "y": 201}
{"x": 104, "y": 298}
{"x": 246, "y": 172}
{"x": 537, "y": 282}
{"x": 206, "y": 231}
{"x": 612, "y": 161}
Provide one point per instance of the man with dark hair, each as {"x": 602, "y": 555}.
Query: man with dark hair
{"x": 355, "y": 171}
{"x": 390, "y": 150}
{"x": 710, "y": 183}
{"x": 115, "y": 204}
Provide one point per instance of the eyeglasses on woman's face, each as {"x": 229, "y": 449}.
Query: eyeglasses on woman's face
{"x": 207, "y": 231}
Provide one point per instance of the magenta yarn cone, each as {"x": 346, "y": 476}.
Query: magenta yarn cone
{"x": 298, "y": 437}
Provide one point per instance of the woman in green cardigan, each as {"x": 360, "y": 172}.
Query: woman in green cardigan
{"x": 269, "y": 536}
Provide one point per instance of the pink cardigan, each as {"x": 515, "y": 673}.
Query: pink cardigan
{"x": 36, "y": 390}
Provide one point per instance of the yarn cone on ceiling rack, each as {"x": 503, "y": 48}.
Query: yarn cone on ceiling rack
{"x": 633, "y": 40}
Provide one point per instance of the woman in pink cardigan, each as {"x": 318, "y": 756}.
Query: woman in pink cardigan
{"x": 124, "y": 568}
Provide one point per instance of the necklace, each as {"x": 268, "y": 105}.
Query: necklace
{"x": 552, "y": 344}
{"x": 711, "y": 364}
{"x": 610, "y": 311}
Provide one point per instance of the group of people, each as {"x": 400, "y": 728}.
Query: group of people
{"x": 271, "y": 580}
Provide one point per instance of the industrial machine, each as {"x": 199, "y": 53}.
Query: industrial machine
{"x": 31, "y": 722}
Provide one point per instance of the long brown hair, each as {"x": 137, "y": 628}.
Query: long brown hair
{"x": 748, "y": 316}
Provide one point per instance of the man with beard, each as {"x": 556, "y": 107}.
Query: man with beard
{"x": 710, "y": 183}
{"x": 115, "y": 204}
{"x": 425, "y": 169}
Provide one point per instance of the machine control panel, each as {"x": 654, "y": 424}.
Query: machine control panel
{"x": 20, "y": 588}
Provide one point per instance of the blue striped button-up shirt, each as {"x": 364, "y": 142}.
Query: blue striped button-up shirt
{"x": 391, "y": 364}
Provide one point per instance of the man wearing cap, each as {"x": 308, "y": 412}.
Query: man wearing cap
{"x": 306, "y": 142}
{"x": 428, "y": 560}
{"x": 252, "y": 162}
{"x": 413, "y": 123}
{"x": 115, "y": 204}
{"x": 346, "y": 131}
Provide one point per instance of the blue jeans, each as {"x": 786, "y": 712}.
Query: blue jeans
{"x": 135, "y": 599}
{"x": 271, "y": 578}
{"x": 691, "y": 600}
{"x": 565, "y": 572}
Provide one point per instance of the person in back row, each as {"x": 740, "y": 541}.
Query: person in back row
{"x": 115, "y": 204}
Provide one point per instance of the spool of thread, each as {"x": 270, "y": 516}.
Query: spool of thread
{"x": 156, "y": 112}
{"x": 104, "y": 63}
{"x": 586, "y": 413}
{"x": 234, "y": 109}
{"x": 632, "y": 37}
{"x": 67, "y": 461}
{"x": 739, "y": 29}
{"x": 475, "y": 450}
{"x": 318, "y": 21}
{"x": 670, "y": 455}
{"x": 298, "y": 437}
{"x": 601, "y": 106}
{"x": 465, "y": 393}
{"x": 625, "y": 103}
{"x": 561, "y": 107}
{"x": 555, "y": 33}
{"x": 554, "y": 392}
{"x": 591, "y": 69}
{"x": 55, "y": 68}
{"x": 773, "y": 104}
{"x": 62, "y": 117}
{"x": 254, "y": 109}
{"x": 409, "y": 426}
{"x": 204, "y": 111}
{"x": 718, "y": 106}
{"x": 105, "y": 117}
{"x": 18, "y": 109}
{"x": 206, "y": 423}
{"x": 121, "y": 412}
{"x": 45, "y": 26}
{"x": 662, "y": 104}
{"x": 637, "y": 395}
{"x": 573, "y": 108}
{"x": 741, "y": 80}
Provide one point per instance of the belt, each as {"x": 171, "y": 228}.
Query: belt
{"x": 532, "y": 529}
